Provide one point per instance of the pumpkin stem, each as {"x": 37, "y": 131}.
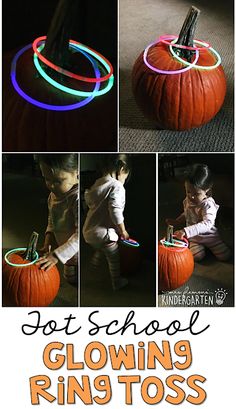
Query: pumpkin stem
{"x": 57, "y": 44}
{"x": 186, "y": 35}
{"x": 31, "y": 248}
{"x": 169, "y": 233}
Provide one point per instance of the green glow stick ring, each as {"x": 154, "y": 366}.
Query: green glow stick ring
{"x": 176, "y": 243}
{"x": 20, "y": 265}
{"x": 201, "y": 67}
{"x": 71, "y": 90}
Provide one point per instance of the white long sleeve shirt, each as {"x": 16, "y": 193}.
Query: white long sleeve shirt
{"x": 63, "y": 223}
{"x": 200, "y": 219}
{"x": 106, "y": 203}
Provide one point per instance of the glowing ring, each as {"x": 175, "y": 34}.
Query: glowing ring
{"x": 41, "y": 104}
{"x": 20, "y": 265}
{"x": 163, "y": 39}
{"x": 130, "y": 243}
{"x": 71, "y": 74}
{"x": 67, "y": 89}
{"x": 210, "y": 67}
{"x": 176, "y": 243}
{"x": 189, "y": 65}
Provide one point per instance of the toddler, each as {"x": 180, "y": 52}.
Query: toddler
{"x": 104, "y": 223}
{"x": 199, "y": 215}
{"x": 60, "y": 172}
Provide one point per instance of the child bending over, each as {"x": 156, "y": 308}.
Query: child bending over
{"x": 199, "y": 215}
{"x": 104, "y": 224}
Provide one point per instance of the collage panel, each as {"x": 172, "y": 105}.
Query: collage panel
{"x": 118, "y": 230}
{"x": 196, "y": 230}
{"x": 176, "y": 64}
{"x": 40, "y": 230}
{"x": 91, "y": 126}
{"x": 59, "y": 76}
{"x": 117, "y": 278}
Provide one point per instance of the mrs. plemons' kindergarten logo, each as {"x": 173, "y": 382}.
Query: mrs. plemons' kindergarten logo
{"x": 220, "y": 295}
{"x": 194, "y": 298}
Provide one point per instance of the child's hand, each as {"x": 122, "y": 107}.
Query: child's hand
{"x": 179, "y": 234}
{"x": 48, "y": 261}
{"x": 122, "y": 231}
{"x": 172, "y": 222}
{"x": 125, "y": 235}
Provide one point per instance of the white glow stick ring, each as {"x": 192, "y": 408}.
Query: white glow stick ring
{"x": 19, "y": 265}
{"x": 201, "y": 67}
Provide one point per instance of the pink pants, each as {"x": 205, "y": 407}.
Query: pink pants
{"x": 213, "y": 243}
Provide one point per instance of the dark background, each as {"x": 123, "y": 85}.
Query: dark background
{"x": 28, "y": 128}
{"x": 140, "y": 208}
{"x": 25, "y": 20}
{"x": 173, "y": 167}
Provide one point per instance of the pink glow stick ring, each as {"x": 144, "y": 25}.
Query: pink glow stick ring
{"x": 169, "y": 72}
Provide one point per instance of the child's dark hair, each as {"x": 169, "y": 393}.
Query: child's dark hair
{"x": 200, "y": 176}
{"x": 116, "y": 162}
{"x": 67, "y": 161}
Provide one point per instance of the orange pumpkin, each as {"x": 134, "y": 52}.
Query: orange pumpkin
{"x": 28, "y": 128}
{"x": 175, "y": 266}
{"x": 179, "y": 101}
{"x": 28, "y": 286}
